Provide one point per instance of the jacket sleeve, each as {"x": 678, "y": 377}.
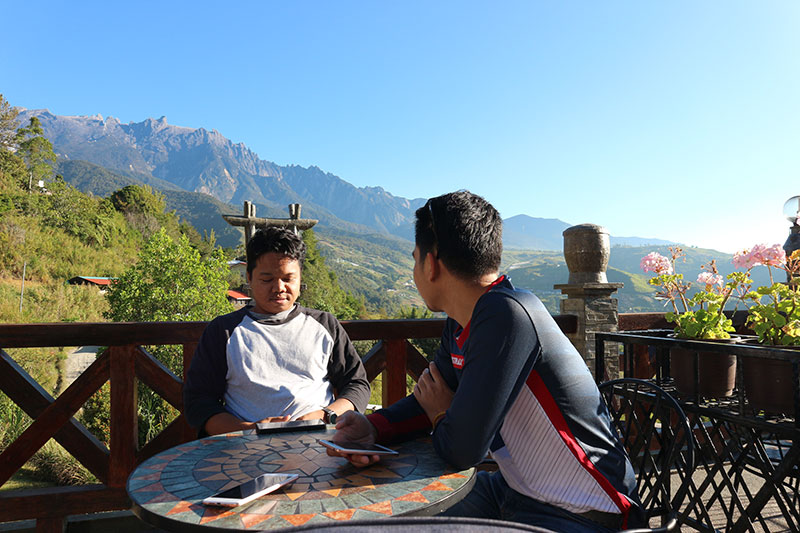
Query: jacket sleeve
{"x": 346, "y": 371}
{"x": 205, "y": 385}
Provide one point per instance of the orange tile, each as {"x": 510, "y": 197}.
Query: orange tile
{"x": 454, "y": 475}
{"x": 345, "y": 514}
{"x": 437, "y": 485}
{"x": 380, "y": 507}
{"x": 184, "y": 506}
{"x": 215, "y": 513}
{"x": 249, "y": 520}
{"x": 298, "y": 519}
{"x": 413, "y": 497}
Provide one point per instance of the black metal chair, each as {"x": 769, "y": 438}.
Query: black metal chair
{"x": 658, "y": 439}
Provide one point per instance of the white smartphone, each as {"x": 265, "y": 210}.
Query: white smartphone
{"x": 250, "y": 490}
{"x": 352, "y": 447}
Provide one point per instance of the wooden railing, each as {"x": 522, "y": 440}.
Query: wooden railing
{"x": 123, "y": 363}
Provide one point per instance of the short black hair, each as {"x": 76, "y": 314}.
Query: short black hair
{"x": 275, "y": 239}
{"x": 464, "y": 231}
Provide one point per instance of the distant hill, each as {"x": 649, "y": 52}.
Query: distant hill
{"x": 638, "y": 241}
{"x": 531, "y": 233}
{"x": 378, "y": 266}
{"x": 539, "y": 271}
{"x": 100, "y": 181}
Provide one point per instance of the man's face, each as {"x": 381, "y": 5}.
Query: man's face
{"x": 275, "y": 282}
{"x": 419, "y": 277}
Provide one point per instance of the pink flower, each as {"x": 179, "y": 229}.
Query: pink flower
{"x": 773, "y": 256}
{"x": 743, "y": 259}
{"x": 708, "y": 278}
{"x": 760, "y": 254}
{"x": 655, "y": 262}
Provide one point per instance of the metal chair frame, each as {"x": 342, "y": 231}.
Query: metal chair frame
{"x": 657, "y": 437}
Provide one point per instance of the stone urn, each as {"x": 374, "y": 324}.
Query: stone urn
{"x": 586, "y": 250}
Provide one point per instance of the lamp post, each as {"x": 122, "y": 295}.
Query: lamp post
{"x": 791, "y": 210}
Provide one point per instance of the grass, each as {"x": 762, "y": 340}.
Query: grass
{"x": 26, "y": 478}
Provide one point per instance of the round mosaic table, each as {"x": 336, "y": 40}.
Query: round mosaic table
{"x": 167, "y": 489}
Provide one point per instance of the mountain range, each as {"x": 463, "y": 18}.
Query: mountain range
{"x": 179, "y": 159}
{"x": 365, "y": 233}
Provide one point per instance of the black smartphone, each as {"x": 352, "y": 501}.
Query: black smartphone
{"x": 250, "y": 490}
{"x": 292, "y": 425}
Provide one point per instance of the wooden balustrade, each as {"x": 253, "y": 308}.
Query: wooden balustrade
{"x": 123, "y": 363}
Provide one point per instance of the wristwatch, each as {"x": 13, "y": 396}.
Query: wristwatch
{"x": 329, "y": 417}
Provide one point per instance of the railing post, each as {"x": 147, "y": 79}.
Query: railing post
{"x": 188, "y": 352}
{"x": 124, "y": 428}
{"x": 588, "y": 292}
{"x": 51, "y": 525}
{"x": 394, "y": 377}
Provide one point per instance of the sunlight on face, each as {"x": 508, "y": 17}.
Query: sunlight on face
{"x": 275, "y": 282}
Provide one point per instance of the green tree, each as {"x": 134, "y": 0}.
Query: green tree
{"x": 144, "y": 210}
{"x": 322, "y": 290}
{"x": 36, "y": 151}
{"x": 8, "y": 125}
{"x": 12, "y": 167}
{"x": 138, "y": 199}
{"x": 170, "y": 281}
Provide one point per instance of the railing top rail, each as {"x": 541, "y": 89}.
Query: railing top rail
{"x": 123, "y": 333}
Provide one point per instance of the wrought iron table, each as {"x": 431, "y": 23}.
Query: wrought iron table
{"x": 737, "y": 443}
{"x": 167, "y": 489}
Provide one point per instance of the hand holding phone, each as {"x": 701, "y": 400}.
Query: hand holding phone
{"x": 250, "y": 490}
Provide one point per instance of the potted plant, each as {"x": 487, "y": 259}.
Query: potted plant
{"x": 698, "y": 317}
{"x": 774, "y": 316}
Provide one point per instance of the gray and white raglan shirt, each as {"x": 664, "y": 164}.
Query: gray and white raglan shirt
{"x": 255, "y": 366}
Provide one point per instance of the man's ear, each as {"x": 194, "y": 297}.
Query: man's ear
{"x": 434, "y": 266}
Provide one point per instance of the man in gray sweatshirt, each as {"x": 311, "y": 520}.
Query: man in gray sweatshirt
{"x": 274, "y": 360}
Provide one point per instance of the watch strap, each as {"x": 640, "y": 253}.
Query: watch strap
{"x": 330, "y": 415}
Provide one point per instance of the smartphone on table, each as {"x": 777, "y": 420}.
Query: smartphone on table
{"x": 250, "y": 490}
{"x": 352, "y": 447}
{"x": 292, "y": 425}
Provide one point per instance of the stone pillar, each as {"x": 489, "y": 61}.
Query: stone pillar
{"x": 588, "y": 292}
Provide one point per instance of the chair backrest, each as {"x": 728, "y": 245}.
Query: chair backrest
{"x": 657, "y": 437}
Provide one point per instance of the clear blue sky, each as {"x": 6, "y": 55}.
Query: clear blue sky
{"x": 678, "y": 120}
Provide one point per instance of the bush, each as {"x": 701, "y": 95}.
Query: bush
{"x": 53, "y": 463}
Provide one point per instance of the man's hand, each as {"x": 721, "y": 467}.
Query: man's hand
{"x": 339, "y": 406}
{"x": 432, "y": 392}
{"x": 284, "y": 418}
{"x": 227, "y": 423}
{"x": 354, "y": 427}
{"x": 313, "y": 415}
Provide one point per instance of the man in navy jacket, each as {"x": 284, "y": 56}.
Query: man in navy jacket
{"x": 505, "y": 380}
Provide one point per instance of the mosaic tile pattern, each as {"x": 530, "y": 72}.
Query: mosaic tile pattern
{"x": 167, "y": 489}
